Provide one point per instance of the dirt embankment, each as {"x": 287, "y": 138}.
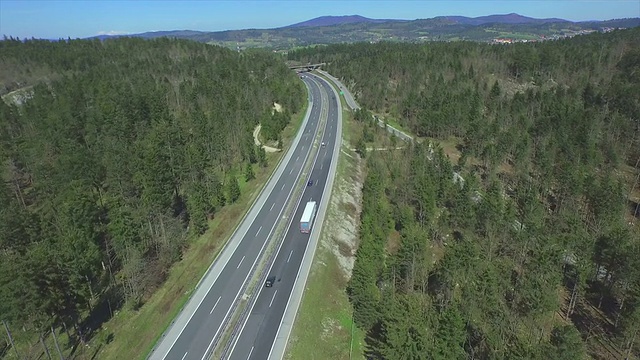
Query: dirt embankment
{"x": 256, "y": 133}
{"x": 342, "y": 237}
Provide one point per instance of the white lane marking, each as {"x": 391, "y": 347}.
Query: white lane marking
{"x": 257, "y": 232}
{"x": 241, "y": 260}
{"x": 271, "y": 350}
{"x": 274, "y": 296}
{"x": 282, "y": 188}
{"x": 321, "y": 165}
{"x": 272, "y": 205}
{"x": 214, "y": 305}
{"x": 250, "y": 351}
{"x": 237, "y": 294}
{"x": 270, "y": 267}
{"x": 289, "y": 258}
{"x": 298, "y": 158}
{"x": 290, "y": 171}
{"x": 185, "y": 355}
{"x": 302, "y": 147}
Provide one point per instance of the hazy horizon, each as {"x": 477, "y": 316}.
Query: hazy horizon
{"x": 80, "y": 19}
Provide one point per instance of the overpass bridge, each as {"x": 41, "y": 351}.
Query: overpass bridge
{"x": 307, "y": 67}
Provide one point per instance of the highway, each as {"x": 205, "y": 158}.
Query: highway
{"x": 258, "y": 334}
{"x": 201, "y": 321}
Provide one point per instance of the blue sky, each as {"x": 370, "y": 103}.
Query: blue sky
{"x": 80, "y": 18}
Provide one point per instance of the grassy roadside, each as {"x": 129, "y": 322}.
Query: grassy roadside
{"x": 134, "y": 333}
{"x": 323, "y": 328}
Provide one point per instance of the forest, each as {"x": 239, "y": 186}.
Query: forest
{"x": 121, "y": 153}
{"x": 510, "y": 229}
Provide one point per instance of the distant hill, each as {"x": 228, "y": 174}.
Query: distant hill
{"x": 173, "y": 33}
{"x": 183, "y": 34}
{"x": 356, "y": 28}
{"x": 338, "y": 20}
{"x": 499, "y": 19}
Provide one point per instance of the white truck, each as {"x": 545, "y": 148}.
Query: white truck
{"x": 307, "y": 217}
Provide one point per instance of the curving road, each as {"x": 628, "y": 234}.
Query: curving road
{"x": 201, "y": 321}
{"x": 258, "y": 334}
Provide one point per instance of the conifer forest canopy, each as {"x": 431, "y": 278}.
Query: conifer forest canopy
{"x": 117, "y": 155}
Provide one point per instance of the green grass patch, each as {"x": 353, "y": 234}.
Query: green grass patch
{"x": 133, "y": 334}
{"x": 348, "y": 129}
{"x": 323, "y": 327}
{"x": 393, "y": 122}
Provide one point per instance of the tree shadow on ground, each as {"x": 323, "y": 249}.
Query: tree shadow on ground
{"x": 4, "y": 349}
{"x": 634, "y": 208}
{"x": 110, "y": 302}
{"x": 600, "y": 297}
{"x": 597, "y": 331}
{"x": 373, "y": 337}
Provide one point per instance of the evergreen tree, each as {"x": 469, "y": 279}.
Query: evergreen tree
{"x": 233, "y": 189}
{"x": 248, "y": 172}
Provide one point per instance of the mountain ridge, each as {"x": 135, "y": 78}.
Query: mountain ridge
{"x": 338, "y": 20}
{"x": 355, "y": 28}
{"x": 511, "y": 18}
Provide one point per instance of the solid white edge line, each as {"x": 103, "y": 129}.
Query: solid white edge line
{"x": 286, "y": 340}
{"x": 279, "y": 247}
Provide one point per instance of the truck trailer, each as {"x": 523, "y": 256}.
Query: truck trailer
{"x": 307, "y": 217}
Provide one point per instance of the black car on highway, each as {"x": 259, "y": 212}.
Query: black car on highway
{"x": 270, "y": 280}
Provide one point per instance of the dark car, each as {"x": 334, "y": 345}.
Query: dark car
{"x": 310, "y": 183}
{"x": 270, "y": 280}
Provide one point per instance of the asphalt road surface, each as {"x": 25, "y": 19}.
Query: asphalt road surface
{"x": 259, "y": 332}
{"x": 194, "y": 339}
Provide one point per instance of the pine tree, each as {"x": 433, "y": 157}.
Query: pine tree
{"x": 233, "y": 189}
{"x": 248, "y": 172}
